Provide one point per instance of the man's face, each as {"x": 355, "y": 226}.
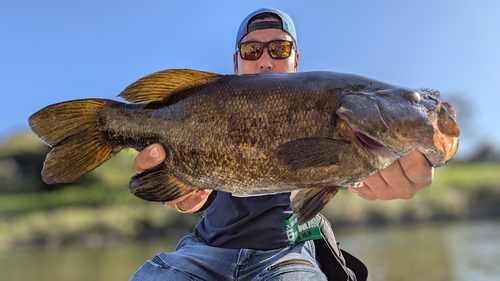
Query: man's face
{"x": 265, "y": 63}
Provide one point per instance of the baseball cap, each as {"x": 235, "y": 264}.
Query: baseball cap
{"x": 285, "y": 25}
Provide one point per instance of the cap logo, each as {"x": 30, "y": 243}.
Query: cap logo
{"x": 264, "y": 25}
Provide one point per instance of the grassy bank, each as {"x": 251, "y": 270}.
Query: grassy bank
{"x": 93, "y": 216}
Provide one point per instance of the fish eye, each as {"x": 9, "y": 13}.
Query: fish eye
{"x": 415, "y": 97}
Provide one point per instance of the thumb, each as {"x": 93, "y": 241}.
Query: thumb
{"x": 149, "y": 157}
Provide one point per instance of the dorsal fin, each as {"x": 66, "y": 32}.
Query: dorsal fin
{"x": 158, "y": 85}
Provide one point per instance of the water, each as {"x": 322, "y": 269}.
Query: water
{"x": 460, "y": 251}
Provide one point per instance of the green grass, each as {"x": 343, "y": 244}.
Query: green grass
{"x": 469, "y": 176}
{"x": 71, "y": 196}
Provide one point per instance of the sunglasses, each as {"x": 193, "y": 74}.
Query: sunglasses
{"x": 277, "y": 49}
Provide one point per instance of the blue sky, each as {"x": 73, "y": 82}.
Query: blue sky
{"x": 51, "y": 51}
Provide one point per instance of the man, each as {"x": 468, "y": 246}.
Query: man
{"x": 245, "y": 238}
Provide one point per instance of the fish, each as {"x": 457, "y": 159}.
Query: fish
{"x": 308, "y": 133}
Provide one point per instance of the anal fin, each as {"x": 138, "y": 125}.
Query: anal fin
{"x": 307, "y": 203}
{"x": 159, "y": 185}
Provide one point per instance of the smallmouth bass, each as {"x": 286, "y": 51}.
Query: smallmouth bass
{"x": 308, "y": 132}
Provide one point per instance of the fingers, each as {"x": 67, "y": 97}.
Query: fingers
{"x": 363, "y": 191}
{"x": 149, "y": 157}
{"x": 417, "y": 169}
{"x": 401, "y": 180}
{"x": 390, "y": 183}
{"x": 190, "y": 203}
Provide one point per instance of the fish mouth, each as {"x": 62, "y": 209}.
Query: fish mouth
{"x": 366, "y": 141}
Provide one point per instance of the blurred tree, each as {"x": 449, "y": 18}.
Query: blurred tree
{"x": 485, "y": 153}
{"x": 21, "y": 163}
{"x": 21, "y": 160}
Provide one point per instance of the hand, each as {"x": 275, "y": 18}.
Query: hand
{"x": 190, "y": 203}
{"x": 155, "y": 154}
{"x": 401, "y": 180}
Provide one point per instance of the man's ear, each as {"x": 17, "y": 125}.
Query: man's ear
{"x": 297, "y": 56}
{"x": 235, "y": 63}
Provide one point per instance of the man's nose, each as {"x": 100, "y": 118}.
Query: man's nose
{"x": 265, "y": 62}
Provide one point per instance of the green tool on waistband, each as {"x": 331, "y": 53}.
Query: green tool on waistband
{"x": 300, "y": 233}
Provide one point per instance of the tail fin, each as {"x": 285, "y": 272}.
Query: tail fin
{"x": 72, "y": 130}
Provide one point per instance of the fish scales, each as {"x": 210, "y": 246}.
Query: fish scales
{"x": 237, "y": 133}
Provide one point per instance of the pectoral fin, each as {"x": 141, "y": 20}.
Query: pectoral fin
{"x": 159, "y": 185}
{"x": 310, "y": 153}
{"x": 307, "y": 203}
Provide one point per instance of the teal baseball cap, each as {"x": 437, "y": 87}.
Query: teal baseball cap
{"x": 286, "y": 24}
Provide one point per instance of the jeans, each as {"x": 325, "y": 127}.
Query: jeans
{"x": 194, "y": 260}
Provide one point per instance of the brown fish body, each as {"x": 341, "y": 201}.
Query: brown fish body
{"x": 251, "y": 134}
